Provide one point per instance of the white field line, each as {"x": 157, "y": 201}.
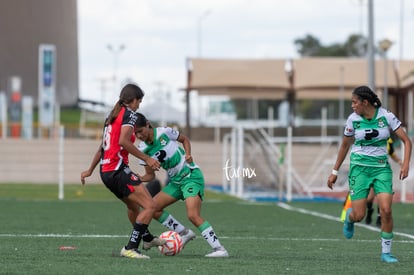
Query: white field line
{"x": 97, "y": 236}
{"x": 332, "y": 218}
{"x": 282, "y": 205}
{"x": 52, "y": 235}
{"x": 92, "y": 236}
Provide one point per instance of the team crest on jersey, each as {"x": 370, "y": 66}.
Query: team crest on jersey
{"x": 381, "y": 123}
{"x": 134, "y": 177}
{"x": 357, "y": 125}
{"x": 163, "y": 141}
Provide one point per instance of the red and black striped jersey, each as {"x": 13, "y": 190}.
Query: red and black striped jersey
{"x": 113, "y": 154}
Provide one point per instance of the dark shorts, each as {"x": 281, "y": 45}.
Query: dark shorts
{"x": 121, "y": 182}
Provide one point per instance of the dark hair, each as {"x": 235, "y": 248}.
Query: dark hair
{"x": 141, "y": 120}
{"x": 128, "y": 93}
{"x": 364, "y": 92}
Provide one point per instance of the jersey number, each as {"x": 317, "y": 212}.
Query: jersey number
{"x": 106, "y": 139}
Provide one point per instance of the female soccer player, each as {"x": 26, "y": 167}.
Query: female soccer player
{"x": 186, "y": 181}
{"x": 368, "y": 128}
{"x": 112, "y": 154}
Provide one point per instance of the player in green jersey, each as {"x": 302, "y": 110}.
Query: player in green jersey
{"x": 186, "y": 181}
{"x": 367, "y": 130}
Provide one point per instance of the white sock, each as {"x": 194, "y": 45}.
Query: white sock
{"x": 173, "y": 224}
{"x": 386, "y": 245}
{"x": 211, "y": 237}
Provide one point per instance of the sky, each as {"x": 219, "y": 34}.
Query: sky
{"x": 151, "y": 39}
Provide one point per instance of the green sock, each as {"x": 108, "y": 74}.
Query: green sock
{"x": 203, "y": 226}
{"x": 386, "y": 235}
{"x": 163, "y": 216}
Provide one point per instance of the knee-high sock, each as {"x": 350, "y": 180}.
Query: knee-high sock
{"x": 136, "y": 235}
{"x": 170, "y": 222}
{"x": 208, "y": 233}
{"x": 386, "y": 241}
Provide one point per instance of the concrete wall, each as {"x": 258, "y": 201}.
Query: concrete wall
{"x": 37, "y": 160}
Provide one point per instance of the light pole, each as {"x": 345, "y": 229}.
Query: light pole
{"x": 341, "y": 99}
{"x": 200, "y": 19}
{"x": 290, "y": 73}
{"x": 385, "y": 45}
{"x": 116, "y": 51}
{"x": 401, "y": 29}
{"x": 103, "y": 85}
{"x": 371, "y": 60}
{"x": 361, "y": 4}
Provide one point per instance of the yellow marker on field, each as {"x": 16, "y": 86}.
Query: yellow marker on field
{"x": 347, "y": 205}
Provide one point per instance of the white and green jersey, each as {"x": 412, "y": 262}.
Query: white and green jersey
{"x": 370, "y": 146}
{"x": 167, "y": 151}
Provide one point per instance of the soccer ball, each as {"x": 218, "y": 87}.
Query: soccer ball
{"x": 173, "y": 243}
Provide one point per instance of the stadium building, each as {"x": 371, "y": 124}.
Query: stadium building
{"x": 24, "y": 25}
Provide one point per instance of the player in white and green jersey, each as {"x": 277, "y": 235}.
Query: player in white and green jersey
{"x": 367, "y": 130}
{"x": 171, "y": 156}
{"x": 186, "y": 181}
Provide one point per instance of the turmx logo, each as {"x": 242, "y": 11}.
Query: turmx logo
{"x": 238, "y": 172}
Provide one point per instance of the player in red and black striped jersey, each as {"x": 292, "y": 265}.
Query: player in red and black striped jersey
{"x": 117, "y": 143}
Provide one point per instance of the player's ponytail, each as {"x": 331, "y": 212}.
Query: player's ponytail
{"x": 128, "y": 93}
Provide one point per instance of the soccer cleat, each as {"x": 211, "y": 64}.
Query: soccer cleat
{"x": 368, "y": 219}
{"x": 186, "y": 236}
{"x": 218, "y": 253}
{"x": 348, "y": 228}
{"x": 388, "y": 258}
{"x": 155, "y": 242}
{"x": 132, "y": 253}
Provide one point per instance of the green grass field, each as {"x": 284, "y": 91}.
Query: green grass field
{"x": 261, "y": 238}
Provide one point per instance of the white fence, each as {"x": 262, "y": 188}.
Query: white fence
{"x": 248, "y": 163}
{"x": 258, "y": 165}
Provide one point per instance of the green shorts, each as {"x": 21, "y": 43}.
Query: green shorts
{"x": 190, "y": 186}
{"x": 362, "y": 178}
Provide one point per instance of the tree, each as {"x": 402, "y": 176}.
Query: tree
{"x": 355, "y": 45}
{"x": 308, "y": 46}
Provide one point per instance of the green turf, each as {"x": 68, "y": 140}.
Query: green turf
{"x": 261, "y": 238}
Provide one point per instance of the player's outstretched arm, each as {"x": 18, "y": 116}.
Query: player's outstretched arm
{"x": 94, "y": 163}
{"x": 149, "y": 174}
